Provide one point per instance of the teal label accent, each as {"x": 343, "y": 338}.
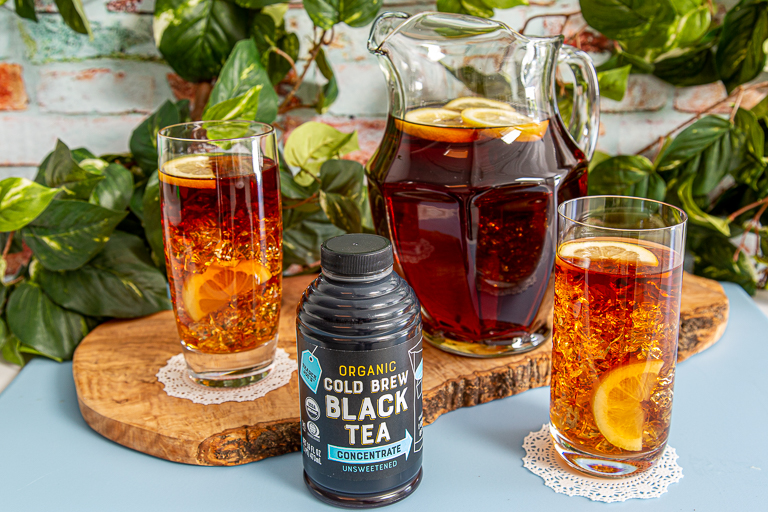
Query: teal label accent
{"x": 310, "y": 370}
{"x": 373, "y": 454}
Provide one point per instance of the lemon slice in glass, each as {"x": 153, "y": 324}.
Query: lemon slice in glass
{"x": 600, "y": 250}
{"x": 214, "y": 289}
{"x": 194, "y": 171}
{"x": 434, "y": 117}
{"x": 616, "y": 404}
{"x": 460, "y": 104}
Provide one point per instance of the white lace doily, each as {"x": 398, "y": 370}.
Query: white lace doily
{"x": 542, "y": 459}
{"x": 177, "y": 383}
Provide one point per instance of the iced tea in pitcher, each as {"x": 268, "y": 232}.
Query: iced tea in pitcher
{"x": 467, "y": 191}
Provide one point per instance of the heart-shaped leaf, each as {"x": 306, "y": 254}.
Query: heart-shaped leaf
{"x": 152, "y": 220}
{"x": 73, "y": 13}
{"x": 196, "y": 36}
{"x": 40, "y": 323}
{"x": 243, "y": 107}
{"x": 21, "y": 201}
{"x": 313, "y": 143}
{"x": 63, "y": 171}
{"x": 341, "y": 182}
{"x": 143, "y": 142}
{"x": 120, "y": 281}
{"x": 241, "y": 73}
{"x": 355, "y": 13}
{"x": 115, "y": 190}
{"x": 740, "y": 56}
{"x": 69, "y": 233}
{"x": 330, "y": 91}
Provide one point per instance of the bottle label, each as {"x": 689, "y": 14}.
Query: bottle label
{"x": 361, "y": 411}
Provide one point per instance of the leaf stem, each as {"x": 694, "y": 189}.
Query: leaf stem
{"x": 302, "y": 202}
{"x": 753, "y": 224}
{"x": 317, "y": 45}
{"x": 738, "y": 212}
{"x": 759, "y": 85}
{"x": 737, "y": 104}
{"x": 7, "y": 247}
{"x": 286, "y": 57}
{"x": 549, "y": 15}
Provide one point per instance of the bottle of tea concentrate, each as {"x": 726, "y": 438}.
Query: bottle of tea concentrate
{"x": 358, "y": 335}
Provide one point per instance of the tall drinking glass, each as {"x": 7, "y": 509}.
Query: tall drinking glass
{"x": 618, "y": 278}
{"x": 222, "y": 229}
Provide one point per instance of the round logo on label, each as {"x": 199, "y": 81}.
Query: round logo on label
{"x": 313, "y": 430}
{"x": 312, "y": 408}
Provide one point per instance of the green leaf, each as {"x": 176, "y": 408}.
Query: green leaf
{"x": 696, "y": 214}
{"x": 243, "y": 107}
{"x": 120, "y": 281}
{"x": 355, "y": 13}
{"x": 450, "y": 6}
{"x": 313, "y": 143}
{"x": 80, "y": 154}
{"x": 341, "y": 183}
{"x": 21, "y": 201}
{"x": 63, "y": 172}
{"x": 476, "y": 8}
{"x": 713, "y": 258}
{"x": 627, "y": 19}
{"x": 491, "y": 86}
{"x": 137, "y": 203}
{"x": 303, "y": 235}
{"x": 26, "y": 9}
{"x": 504, "y": 4}
{"x": 626, "y": 175}
{"x": 597, "y": 158}
{"x": 740, "y": 56}
{"x": 613, "y": 83}
{"x": 330, "y": 91}
{"x": 196, "y": 36}
{"x": 69, "y": 233}
{"x": 256, "y": 4}
{"x": 43, "y": 325}
{"x": 143, "y": 142}
{"x": 152, "y": 222}
{"x": 292, "y": 190}
{"x": 116, "y": 190}
{"x": 73, "y": 13}
{"x": 693, "y": 21}
{"x": 693, "y": 67}
{"x": 747, "y": 124}
{"x": 693, "y": 140}
{"x": 241, "y": 73}
{"x": 10, "y": 347}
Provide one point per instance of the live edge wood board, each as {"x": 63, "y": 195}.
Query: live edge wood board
{"x": 119, "y": 396}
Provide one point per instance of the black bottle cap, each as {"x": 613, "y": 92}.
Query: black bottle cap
{"x": 356, "y": 255}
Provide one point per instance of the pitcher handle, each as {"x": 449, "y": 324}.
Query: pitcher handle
{"x": 379, "y": 34}
{"x": 585, "y": 120}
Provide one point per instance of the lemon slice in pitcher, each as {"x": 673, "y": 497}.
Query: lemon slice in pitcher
{"x": 600, "y": 250}
{"x": 616, "y": 404}
{"x": 505, "y": 124}
{"x": 434, "y": 117}
{"x": 466, "y": 102}
{"x": 206, "y": 293}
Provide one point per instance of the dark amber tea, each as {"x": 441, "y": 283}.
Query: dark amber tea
{"x": 222, "y": 228}
{"x": 617, "y": 307}
{"x": 468, "y": 193}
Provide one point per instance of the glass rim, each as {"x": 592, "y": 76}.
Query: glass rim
{"x": 683, "y": 220}
{"x": 267, "y": 130}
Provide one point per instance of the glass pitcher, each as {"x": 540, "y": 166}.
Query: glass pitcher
{"x": 473, "y": 164}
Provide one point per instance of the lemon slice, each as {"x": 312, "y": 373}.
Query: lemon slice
{"x": 616, "y": 404}
{"x": 460, "y": 104}
{"x": 597, "y": 250}
{"x": 193, "y": 171}
{"x": 494, "y": 117}
{"x": 214, "y": 289}
{"x": 434, "y": 117}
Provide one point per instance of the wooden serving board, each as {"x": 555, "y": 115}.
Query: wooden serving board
{"x": 119, "y": 396}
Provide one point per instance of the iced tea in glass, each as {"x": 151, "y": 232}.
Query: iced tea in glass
{"x": 222, "y": 226}
{"x": 618, "y": 278}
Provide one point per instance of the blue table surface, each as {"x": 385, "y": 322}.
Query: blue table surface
{"x": 51, "y": 460}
